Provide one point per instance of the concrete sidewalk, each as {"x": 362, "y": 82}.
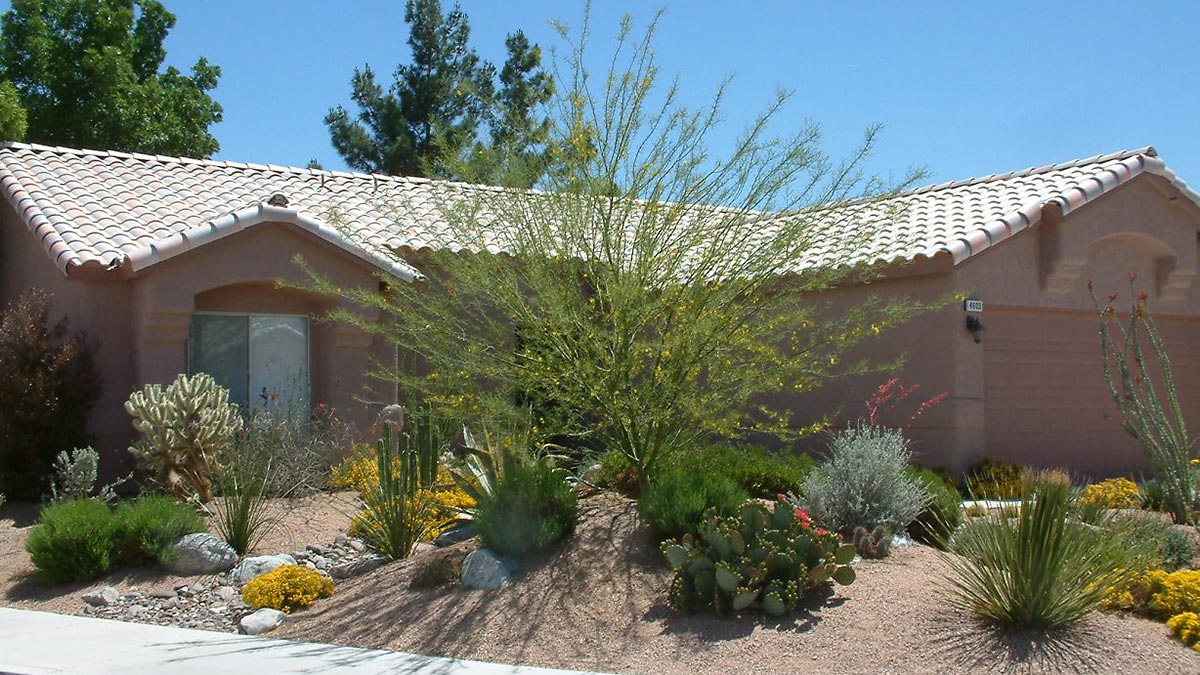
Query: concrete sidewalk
{"x": 37, "y": 642}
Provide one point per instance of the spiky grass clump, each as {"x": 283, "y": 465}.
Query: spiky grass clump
{"x": 1041, "y": 568}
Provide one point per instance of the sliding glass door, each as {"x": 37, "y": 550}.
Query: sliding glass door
{"x": 261, "y": 358}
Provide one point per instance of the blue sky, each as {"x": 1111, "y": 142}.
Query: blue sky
{"x": 963, "y": 88}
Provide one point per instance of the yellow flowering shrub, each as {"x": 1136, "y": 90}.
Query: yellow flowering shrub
{"x": 444, "y": 506}
{"x": 287, "y": 587}
{"x": 991, "y": 478}
{"x": 357, "y": 472}
{"x": 1115, "y": 493}
{"x": 1172, "y": 593}
{"x": 1186, "y": 627}
{"x": 1158, "y": 593}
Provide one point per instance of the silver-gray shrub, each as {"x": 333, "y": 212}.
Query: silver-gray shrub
{"x": 75, "y": 477}
{"x": 862, "y": 483}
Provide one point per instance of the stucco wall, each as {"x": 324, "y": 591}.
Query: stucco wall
{"x": 140, "y": 325}
{"x": 100, "y": 309}
{"x": 1041, "y": 349}
{"x": 240, "y": 274}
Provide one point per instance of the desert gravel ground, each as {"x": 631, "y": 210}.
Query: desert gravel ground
{"x": 600, "y": 603}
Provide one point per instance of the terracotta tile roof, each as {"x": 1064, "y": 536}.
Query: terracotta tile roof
{"x": 99, "y": 210}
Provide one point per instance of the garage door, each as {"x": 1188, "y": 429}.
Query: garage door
{"x": 1046, "y": 402}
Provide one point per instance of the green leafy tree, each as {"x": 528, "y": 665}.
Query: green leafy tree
{"x": 444, "y": 116}
{"x": 13, "y": 120}
{"x": 654, "y": 292}
{"x": 89, "y": 73}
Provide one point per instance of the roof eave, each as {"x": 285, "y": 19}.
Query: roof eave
{"x": 173, "y": 245}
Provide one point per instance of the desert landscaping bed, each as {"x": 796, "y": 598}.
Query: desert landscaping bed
{"x": 599, "y": 603}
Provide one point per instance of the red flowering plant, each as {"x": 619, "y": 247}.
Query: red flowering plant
{"x": 888, "y": 397}
{"x": 762, "y": 558}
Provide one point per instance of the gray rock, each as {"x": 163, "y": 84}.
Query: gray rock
{"x": 353, "y": 569}
{"x": 356, "y": 545}
{"x": 135, "y": 611}
{"x": 455, "y": 536}
{"x": 102, "y": 598}
{"x": 259, "y": 564}
{"x": 227, "y": 593}
{"x": 171, "y": 603}
{"x": 485, "y": 570}
{"x": 163, "y": 593}
{"x": 262, "y": 621}
{"x": 201, "y": 553}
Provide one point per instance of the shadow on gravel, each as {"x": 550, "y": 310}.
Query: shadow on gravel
{"x": 970, "y": 644}
{"x": 552, "y": 600}
{"x": 22, "y": 514}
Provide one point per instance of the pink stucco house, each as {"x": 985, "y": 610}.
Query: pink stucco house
{"x": 172, "y": 263}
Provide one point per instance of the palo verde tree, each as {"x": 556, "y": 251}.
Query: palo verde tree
{"x": 653, "y": 292}
{"x": 88, "y": 73}
{"x": 444, "y": 116}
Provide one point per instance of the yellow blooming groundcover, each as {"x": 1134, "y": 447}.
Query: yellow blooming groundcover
{"x": 287, "y": 588}
{"x": 361, "y": 472}
{"x": 1115, "y": 493}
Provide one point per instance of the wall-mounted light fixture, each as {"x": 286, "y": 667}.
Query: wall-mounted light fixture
{"x": 975, "y": 326}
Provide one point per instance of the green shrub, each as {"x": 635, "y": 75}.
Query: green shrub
{"x": 531, "y": 507}
{"x": 48, "y": 387}
{"x": 618, "y": 473}
{"x": 1042, "y": 568}
{"x": 74, "y": 541}
{"x": 863, "y": 483}
{"x": 145, "y": 528}
{"x": 677, "y": 499}
{"x": 942, "y": 515}
{"x": 758, "y": 471}
{"x": 1154, "y": 498}
{"x": 759, "y": 559}
{"x": 1170, "y": 548}
{"x": 1177, "y": 550}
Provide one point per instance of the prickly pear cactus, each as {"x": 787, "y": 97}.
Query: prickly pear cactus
{"x": 760, "y": 559}
{"x": 185, "y": 429}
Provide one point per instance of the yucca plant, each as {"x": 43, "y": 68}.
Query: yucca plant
{"x": 244, "y": 514}
{"x": 1041, "y": 568}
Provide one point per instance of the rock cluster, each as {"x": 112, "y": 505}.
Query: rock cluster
{"x": 207, "y": 605}
{"x": 214, "y": 602}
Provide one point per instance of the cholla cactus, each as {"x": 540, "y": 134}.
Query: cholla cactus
{"x": 185, "y": 429}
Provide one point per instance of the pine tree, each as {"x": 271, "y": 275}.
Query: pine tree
{"x": 444, "y": 116}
